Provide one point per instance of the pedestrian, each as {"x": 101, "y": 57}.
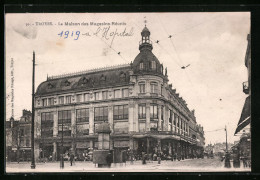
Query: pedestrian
{"x": 244, "y": 160}
{"x": 175, "y": 156}
{"x": 143, "y": 158}
{"x": 227, "y": 160}
{"x": 236, "y": 160}
{"x": 71, "y": 158}
{"x": 109, "y": 159}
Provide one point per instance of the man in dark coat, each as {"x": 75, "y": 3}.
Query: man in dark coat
{"x": 71, "y": 158}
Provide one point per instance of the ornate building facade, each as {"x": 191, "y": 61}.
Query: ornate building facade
{"x": 144, "y": 112}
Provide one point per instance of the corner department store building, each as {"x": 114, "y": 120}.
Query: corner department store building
{"x": 144, "y": 112}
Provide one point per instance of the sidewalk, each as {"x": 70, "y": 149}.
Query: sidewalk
{"x": 188, "y": 165}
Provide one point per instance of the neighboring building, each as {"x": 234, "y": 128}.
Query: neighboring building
{"x": 18, "y": 138}
{"x": 244, "y": 124}
{"x": 11, "y": 139}
{"x": 144, "y": 112}
{"x": 25, "y": 136}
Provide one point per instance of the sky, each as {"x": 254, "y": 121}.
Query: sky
{"x": 212, "y": 44}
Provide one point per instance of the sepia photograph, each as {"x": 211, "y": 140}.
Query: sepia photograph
{"x": 128, "y": 92}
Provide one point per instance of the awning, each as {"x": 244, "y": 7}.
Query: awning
{"x": 245, "y": 117}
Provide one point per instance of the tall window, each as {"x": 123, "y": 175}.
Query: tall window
{"x": 61, "y": 100}
{"x": 142, "y": 87}
{"x": 44, "y": 102}
{"x": 175, "y": 121}
{"x": 64, "y": 119}
{"x": 117, "y": 93}
{"x": 47, "y": 124}
{"x": 82, "y": 115}
{"x": 101, "y": 114}
{"x": 142, "y": 111}
{"x": 125, "y": 93}
{"x": 104, "y": 95}
{"x": 68, "y": 99}
{"x": 121, "y": 112}
{"x": 51, "y": 101}
{"x": 153, "y": 65}
{"x": 64, "y": 116}
{"x": 154, "y": 87}
{"x": 79, "y": 98}
{"x": 162, "y": 113}
{"x": 154, "y": 111}
{"x": 141, "y": 66}
{"x": 170, "y": 118}
{"x": 86, "y": 97}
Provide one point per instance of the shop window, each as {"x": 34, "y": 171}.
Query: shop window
{"x": 120, "y": 112}
{"x": 101, "y": 114}
{"x": 82, "y": 115}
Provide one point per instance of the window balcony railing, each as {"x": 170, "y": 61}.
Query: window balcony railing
{"x": 245, "y": 87}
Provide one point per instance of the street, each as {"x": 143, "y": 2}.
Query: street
{"x": 187, "y": 165}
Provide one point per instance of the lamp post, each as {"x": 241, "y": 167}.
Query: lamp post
{"x": 32, "y": 125}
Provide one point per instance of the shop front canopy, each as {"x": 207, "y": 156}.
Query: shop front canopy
{"x": 245, "y": 117}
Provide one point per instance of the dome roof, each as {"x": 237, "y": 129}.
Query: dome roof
{"x": 145, "y": 32}
{"x": 145, "y": 56}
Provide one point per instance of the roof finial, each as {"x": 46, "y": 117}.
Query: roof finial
{"x": 145, "y": 21}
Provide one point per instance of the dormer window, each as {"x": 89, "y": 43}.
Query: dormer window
{"x": 153, "y": 65}
{"x": 102, "y": 79}
{"x": 67, "y": 83}
{"x": 50, "y": 86}
{"x": 84, "y": 80}
{"x": 122, "y": 77}
{"x": 141, "y": 66}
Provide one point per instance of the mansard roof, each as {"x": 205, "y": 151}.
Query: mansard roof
{"x": 86, "y": 80}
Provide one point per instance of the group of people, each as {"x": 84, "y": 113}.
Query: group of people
{"x": 236, "y": 160}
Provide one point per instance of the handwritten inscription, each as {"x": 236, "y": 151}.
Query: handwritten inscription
{"x": 105, "y": 32}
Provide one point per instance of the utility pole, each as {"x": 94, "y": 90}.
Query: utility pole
{"x": 32, "y": 125}
{"x": 62, "y": 160}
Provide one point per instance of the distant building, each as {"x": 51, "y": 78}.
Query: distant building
{"x": 18, "y": 138}
{"x": 144, "y": 112}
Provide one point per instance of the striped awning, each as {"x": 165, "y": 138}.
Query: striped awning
{"x": 245, "y": 117}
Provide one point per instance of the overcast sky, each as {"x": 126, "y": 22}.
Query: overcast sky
{"x": 214, "y": 44}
